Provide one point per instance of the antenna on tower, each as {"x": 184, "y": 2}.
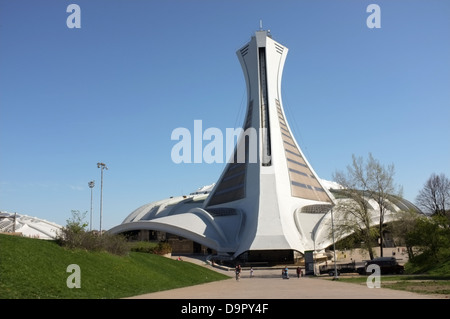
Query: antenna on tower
{"x": 260, "y": 25}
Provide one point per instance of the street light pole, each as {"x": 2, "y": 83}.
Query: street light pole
{"x": 102, "y": 166}
{"x": 91, "y": 186}
{"x": 334, "y": 247}
{"x": 313, "y": 234}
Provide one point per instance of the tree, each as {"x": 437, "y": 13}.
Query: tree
{"x": 370, "y": 180}
{"x": 431, "y": 238}
{"x": 353, "y": 217}
{"x": 381, "y": 187}
{"x": 403, "y": 226}
{"x": 72, "y": 235}
{"x": 434, "y": 197}
{"x": 77, "y": 223}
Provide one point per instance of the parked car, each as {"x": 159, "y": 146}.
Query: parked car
{"x": 388, "y": 265}
{"x": 340, "y": 268}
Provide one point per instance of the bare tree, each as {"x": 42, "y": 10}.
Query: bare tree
{"x": 381, "y": 188}
{"x": 370, "y": 180}
{"x": 434, "y": 198}
{"x": 353, "y": 217}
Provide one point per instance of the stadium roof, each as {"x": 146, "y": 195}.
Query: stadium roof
{"x": 28, "y": 226}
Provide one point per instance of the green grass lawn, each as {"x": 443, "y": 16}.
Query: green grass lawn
{"x": 426, "y": 284}
{"x": 37, "y": 269}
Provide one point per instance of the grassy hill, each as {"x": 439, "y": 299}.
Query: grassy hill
{"x": 37, "y": 269}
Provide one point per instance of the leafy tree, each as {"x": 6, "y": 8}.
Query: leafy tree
{"x": 76, "y": 223}
{"x": 431, "y": 238}
{"x": 405, "y": 223}
{"x": 427, "y": 236}
{"x": 72, "y": 234}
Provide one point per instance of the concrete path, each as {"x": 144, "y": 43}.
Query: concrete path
{"x": 268, "y": 284}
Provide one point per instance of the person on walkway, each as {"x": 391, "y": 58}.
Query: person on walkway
{"x": 299, "y": 272}
{"x": 251, "y": 272}
{"x": 238, "y": 272}
{"x": 286, "y": 271}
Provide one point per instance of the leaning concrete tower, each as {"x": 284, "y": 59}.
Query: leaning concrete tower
{"x": 268, "y": 204}
{"x": 275, "y": 182}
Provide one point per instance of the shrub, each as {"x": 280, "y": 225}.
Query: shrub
{"x": 114, "y": 244}
{"x": 143, "y": 246}
{"x": 74, "y": 235}
{"x": 162, "y": 248}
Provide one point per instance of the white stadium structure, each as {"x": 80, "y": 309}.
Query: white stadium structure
{"x": 268, "y": 204}
{"x": 28, "y": 226}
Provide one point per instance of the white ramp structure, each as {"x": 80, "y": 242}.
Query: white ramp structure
{"x": 268, "y": 204}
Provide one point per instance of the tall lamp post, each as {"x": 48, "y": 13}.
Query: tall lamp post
{"x": 91, "y": 186}
{"x": 313, "y": 235}
{"x": 102, "y": 166}
{"x": 334, "y": 247}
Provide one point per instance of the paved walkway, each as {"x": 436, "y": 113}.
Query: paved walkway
{"x": 268, "y": 284}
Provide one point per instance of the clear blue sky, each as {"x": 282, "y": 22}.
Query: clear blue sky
{"x": 115, "y": 89}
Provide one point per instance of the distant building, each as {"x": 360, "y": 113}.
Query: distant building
{"x": 28, "y": 226}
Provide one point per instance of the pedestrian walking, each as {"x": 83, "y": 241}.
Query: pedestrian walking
{"x": 251, "y": 272}
{"x": 238, "y": 272}
{"x": 299, "y": 272}
{"x": 284, "y": 273}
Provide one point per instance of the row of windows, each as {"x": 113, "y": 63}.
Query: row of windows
{"x": 303, "y": 182}
{"x": 232, "y": 186}
{"x": 319, "y": 189}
